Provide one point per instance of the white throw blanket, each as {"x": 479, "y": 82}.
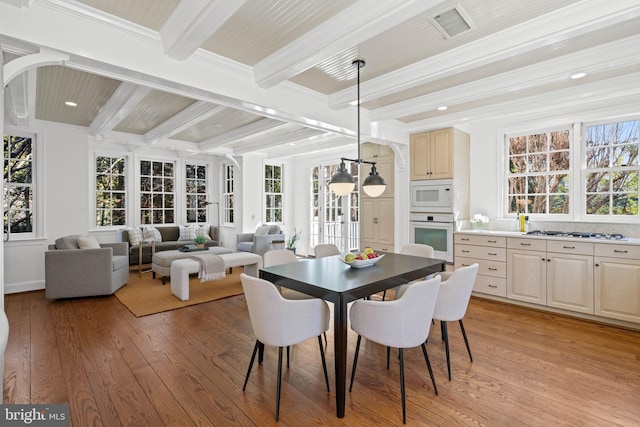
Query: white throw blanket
{"x": 211, "y": 267}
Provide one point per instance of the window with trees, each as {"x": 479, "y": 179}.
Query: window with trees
{"x": 273, "y": 193}
{"x": 157, "y": 192}
{"x": 18, "y": 184}
{"x": 196, "y": 193}
{"x": 611, "y": 162}
{"x": 227, "y": 194}
{"x": 538, "y": 177}
{"x": 110, "y": 191}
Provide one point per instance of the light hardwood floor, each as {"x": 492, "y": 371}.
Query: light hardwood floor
{"x": 186, "y": 367}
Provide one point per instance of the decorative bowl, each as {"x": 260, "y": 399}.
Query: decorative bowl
{"x": 361, "y": 263}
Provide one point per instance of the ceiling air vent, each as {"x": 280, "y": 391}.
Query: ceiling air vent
{"x": 452, "y": 22}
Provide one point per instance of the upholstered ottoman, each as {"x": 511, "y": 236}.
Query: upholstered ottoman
{"x": 161, "y": 261}
{"x": 181, "y": 268}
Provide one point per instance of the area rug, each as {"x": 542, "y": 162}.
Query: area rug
{"x": 144, "y": 296}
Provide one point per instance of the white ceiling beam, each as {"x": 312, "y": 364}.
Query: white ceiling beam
{"x": 240, "y": 133}
{"x": 125, "y": 98}
{"x": 192, "y": 23}
{"x": 572, "y": 21}
{"x": 16, "y": 3}
{"x": 359, "y": 22}
{"x": 321, "y": 143}
{"x": 34, "y": 60}
{"x": 186, "y": 118}
{"x": 16, "y": 100}
{"x": 600, "y": 59}
{"x": 267, "y": 141}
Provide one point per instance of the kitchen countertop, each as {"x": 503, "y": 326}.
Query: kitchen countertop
{"x": 629, "y": 241}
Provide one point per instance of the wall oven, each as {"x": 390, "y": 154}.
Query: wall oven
{"x": 435, "y": 230}
{"x": 434, "y": 195}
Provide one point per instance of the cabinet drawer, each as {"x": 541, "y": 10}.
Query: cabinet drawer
{"x": 527, "y": 244}
{"x": 566, "y": 247}
{"x": 376, "y": 246}
{"x": 617, "y": 250}
{"x": 486, "y": 268}
{"x": 481, "y": 252}
{"x": 471, "y": 239}
{"x": 491, "y": 285}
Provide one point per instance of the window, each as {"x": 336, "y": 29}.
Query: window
{"x": 273, "y": 193}
{"x": 611, "y": 162}
{"x": 227, "y": 194}
{"x": 538, "y": 177}
{"x": 196, "y": 193}
{"x": 157, "y": 192}
{"x": 110, "y": 191}
{"x": 18, "y": 184}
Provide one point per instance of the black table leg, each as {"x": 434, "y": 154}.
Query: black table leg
{"x": 340, "y": 344}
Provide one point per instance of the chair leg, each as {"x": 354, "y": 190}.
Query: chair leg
{"x": 355, "y": 362}
{"x": 287, "y": 357}
{"x": 253, "y": 357}
{"x": 388, "y": 353}
{"x": 464, "y": 335}
{"x": 279, "y": 384}
{"x": 384, "y": 293}
{"x": 404, "y": 406}
{"x": 445, "y": 337}
{"x": 324, "y": 363}
{"x": 426, "y": 359}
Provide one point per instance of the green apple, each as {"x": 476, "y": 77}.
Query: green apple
{"x": 349, "y": 258}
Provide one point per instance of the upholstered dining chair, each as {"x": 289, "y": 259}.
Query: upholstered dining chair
{"x": 280, "y": 322}
{"x": 279, "y": 257}
{"x": 326, "y": 249}
{"x": 414, "y": 249}
{"x": 452, "y": 304}
{"x": 4, "y": 338}
{"x": 401, "y": 323}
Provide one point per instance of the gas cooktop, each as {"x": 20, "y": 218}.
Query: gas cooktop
{"x": 578, "y": 234}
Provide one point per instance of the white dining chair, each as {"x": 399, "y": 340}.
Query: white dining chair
{"x": 325, "y": 249}
{"x": 280, "y": 257}
{"x": 401, "y": 323}
{"x": 280, "y": 322}
{"x": 452, "y": 303}
{"x": 4, "y": 338}
{"x": 414, "y": 249}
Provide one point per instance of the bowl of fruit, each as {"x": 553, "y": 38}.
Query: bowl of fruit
{"x": 361, "y": 259}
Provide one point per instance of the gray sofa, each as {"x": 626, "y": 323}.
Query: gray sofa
{"x": 170, "y": 235}
{"x": 260, "y": 243}
{"x": 73, "y": 272}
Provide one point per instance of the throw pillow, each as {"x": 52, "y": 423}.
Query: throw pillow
{"x": 262, "y": 230}
{"x": 88, "y": 242}
{"x": 135, "y": 236}
{"x": 151, "y": 233}
{"x": 203, "y": 231}
{"x": 188, "y": 232}
{"x": 67, "y": 242}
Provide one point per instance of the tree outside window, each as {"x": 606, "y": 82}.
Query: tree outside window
{"x": 273, "y": 193}
{"x": 227, "y": 195}
{"x": 18, "y": 184}
{"x": 196, "y": 193}
{"x": 157, "y": 192}
{"x": 110, "y": 191}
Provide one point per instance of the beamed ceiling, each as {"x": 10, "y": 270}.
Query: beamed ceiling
{"x": 275, "y": 76}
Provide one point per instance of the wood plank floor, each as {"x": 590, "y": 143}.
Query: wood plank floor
{"x": 186, "y": 367}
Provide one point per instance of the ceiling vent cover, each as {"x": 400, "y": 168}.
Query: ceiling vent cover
{"x": 452, "y": 22}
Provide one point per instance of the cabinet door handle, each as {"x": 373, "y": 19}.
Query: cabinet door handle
{"x": 465, "y": 239}
{"x": 569, "y": 247}
{"x": 619, "y": 251}
{"x": 375, "y": 220}
{"x": 493, "y": 286}
{"x": 548, "y": 259}
{"x": 489, "y": 253}
{"x": 464, "y": 251}
{"x": 493, "y": 269}
{"x": 543, "y": 259}
{"x": 492, "y": 241}
{"x": 525, "y": 244}
{"x": 465, "y": 265}
{"x": 597, "y": 265}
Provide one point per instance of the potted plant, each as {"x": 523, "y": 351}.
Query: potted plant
{"x": 291, "y": 243}
{"x": 199, "y": 241}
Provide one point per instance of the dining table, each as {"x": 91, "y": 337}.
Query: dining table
{"x": 334, "y": 281}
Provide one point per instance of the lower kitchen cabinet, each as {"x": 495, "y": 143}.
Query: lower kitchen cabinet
{"x": 570, "y": 282}
{"x": 490, "y": 254}
{"x": 376, "y": 224}
{"x": 527, "y": 276}
{"x": 617, "y": 282}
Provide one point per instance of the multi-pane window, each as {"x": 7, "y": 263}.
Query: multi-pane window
{"x": 273, "y": 193}
{"x": 227, "y": 194}
{"x": 196, "y": 193}
{"x": 18, "y": 184}
{"x": 611, "y": 161}
{"x": 110, "y": 191}
{"x": 157, "y": 192}
{"x": 539, "y": 172}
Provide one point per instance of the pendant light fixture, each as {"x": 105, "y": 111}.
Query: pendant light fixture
{"x": 343, "y": 183}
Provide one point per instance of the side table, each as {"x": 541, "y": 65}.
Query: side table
{"x": 153, "y": 251}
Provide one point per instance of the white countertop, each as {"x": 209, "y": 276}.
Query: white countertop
{"x": 629, "y": 241}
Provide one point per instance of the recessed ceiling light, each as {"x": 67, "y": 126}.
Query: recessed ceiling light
{"x": 442, "y": 108}
{"x": 71, "y": 104}
{"x": 578, "y": 75}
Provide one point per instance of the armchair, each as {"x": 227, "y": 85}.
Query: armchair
{"x": 74, "y": 272}
{"x": 261, "y": 240}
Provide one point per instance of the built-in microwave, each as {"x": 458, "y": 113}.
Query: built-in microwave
{"x": 434, "y": 195}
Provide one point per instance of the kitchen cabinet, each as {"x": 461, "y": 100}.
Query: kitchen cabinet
{"x": 570, "y": 276}
{"x": 376, "y": 213}
{"x": 439, "y": 154}
{"x": 617, "y": 282}
{"x": 384, "y": 158}
{"x": 490, "y": 254}
{"x": 527, "y": 271}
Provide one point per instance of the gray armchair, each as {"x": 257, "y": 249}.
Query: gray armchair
{"x": 73, "y": 272}
{"x": 260, "y": 243}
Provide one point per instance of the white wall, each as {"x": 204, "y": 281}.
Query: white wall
{"x": 485, "y": 159}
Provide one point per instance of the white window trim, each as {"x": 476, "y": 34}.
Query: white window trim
{"x": 282, "y": 191}
{"x": 183, "y": 215}
{"x": 92, "y": 190}
{"x": 224, "y": 209}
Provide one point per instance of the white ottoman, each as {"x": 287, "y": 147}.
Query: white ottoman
{"x": 161, "y": 261}
{"x": 181, "y": 268}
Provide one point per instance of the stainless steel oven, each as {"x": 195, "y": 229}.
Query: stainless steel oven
{"x": 435, "y": 230}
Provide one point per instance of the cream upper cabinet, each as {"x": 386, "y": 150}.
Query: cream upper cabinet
{"x": 376, "y": 214}
{"x": 384, "y": 158}
{"x": 617, "y": 282}
{"x": 435, "y": 154}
